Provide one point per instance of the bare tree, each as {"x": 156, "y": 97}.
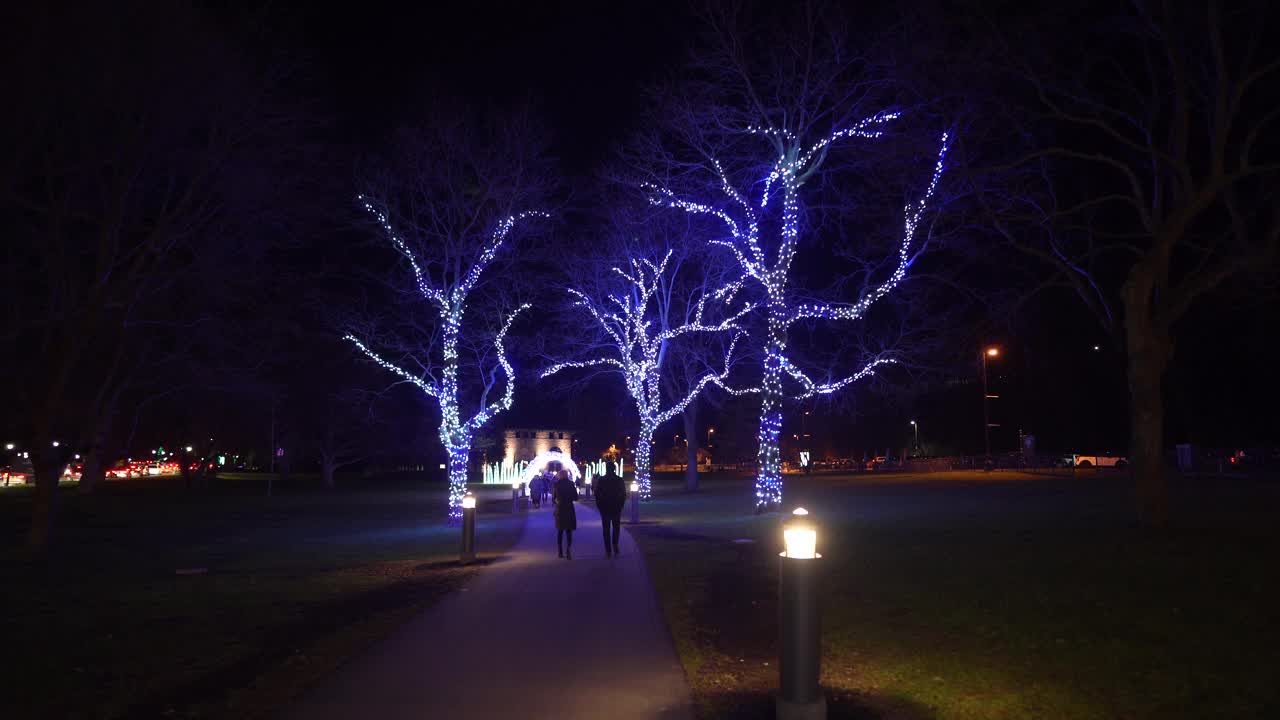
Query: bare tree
{"x": 447, "y": 207}
{"x": 1168, "y": 120}
{"x": 796, "y": 96}
{"x": 640, "y": 312}
{"x": 155, "y": 163}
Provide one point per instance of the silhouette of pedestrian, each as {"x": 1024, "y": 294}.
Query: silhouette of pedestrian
{"x": 535, "y": 490}
{"x": 565, "y": 494}
{"x": 611, "y": 495}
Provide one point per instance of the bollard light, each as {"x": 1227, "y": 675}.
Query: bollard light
{"x": 635, "y": 502}
{"x": 800, "y": 537}
{"x": 468, "y": 550}
{"x": 800, "y": 644}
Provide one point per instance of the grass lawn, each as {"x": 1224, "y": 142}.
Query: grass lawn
{"x": 105, "y": 626}
{"x": 970, "y": 596}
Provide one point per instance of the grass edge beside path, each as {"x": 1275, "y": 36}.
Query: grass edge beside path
{"x": 283, "y": 591}
{"x": 952, "y": 597}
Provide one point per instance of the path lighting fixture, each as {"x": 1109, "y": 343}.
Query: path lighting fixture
{"x": 800, "y": 644}
{"x": 800, "y": 537}
{"x": 635, "y": 502}
{"x": 468, "y": 551}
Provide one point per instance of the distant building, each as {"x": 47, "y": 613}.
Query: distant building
{"x": 523, "y": 444}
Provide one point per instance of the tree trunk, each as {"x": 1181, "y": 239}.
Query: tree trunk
{"x": 1149, "y": 349}
{"x": 459, "y": 454}
{"x": 93, "y": 474}
{"x": 327, "y": 471}
{"x": 644, "y": 461}
{"x": 48, "y": 470}
{"x": 690, "y": 416}
{"x": 769, "y": 455}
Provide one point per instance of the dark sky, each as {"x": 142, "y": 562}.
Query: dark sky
{"x": 584, "y": 66}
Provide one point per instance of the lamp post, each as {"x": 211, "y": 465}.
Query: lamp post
{"x": 635, "y": 502}
{"x": 986, "y": 396}
{"x": 916, "y": 426}
{"x": 515, "y": 497}
{"x": 800, "y": 647}
{"x": 468, "y": 551}
{"x": 586, "y": 484}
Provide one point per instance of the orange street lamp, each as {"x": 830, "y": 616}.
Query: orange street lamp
{"x": 986, "y": 397}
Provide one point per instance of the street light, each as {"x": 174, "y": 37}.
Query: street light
{"x": 56, "y": 443}
{"x": 710, "y": 432}
{"x": 986, "y": 396}
{"x": 8, "y": 446}
{"x": 916, "y": 426}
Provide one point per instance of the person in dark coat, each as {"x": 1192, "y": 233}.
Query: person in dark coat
{"x": 565, "y": 494}
{"x": 611, "y": 495}
{"x": 535, "y": 491}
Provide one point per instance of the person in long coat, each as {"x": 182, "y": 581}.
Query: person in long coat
{"x": 565, "y": 494}
{"x": 535, "y": 490}
{"x": 611, "y": 495}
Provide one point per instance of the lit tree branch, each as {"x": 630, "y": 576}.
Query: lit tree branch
{"x": 422, "y": 385}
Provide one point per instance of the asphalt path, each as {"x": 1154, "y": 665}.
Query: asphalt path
{"x": 531, "y": 636}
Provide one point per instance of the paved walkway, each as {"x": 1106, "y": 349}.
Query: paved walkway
{"x": 532, "y": 636}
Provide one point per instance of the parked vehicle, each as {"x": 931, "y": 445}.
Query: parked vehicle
{"x": 19, "y": 473}
{"x": 877, "y": 463}
{"x": 1085, "y": 461}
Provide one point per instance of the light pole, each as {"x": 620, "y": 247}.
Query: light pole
{"x": 710, "y": 432}
{"x": 467, "y": 552}
{"x": 635, "y": 502}
{"x": 986, "y": 396}
{"x": 800, "y": 645}
{"x": 916, "y": 426}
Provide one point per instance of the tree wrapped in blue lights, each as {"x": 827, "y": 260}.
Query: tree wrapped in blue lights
{"x": 802, "y": 87}
{"x": 637, "y": 320}
{"x": 461, "y": 217}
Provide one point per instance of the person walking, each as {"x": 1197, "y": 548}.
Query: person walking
{"x": 611, "y": 495}
{"x": 535, "y": 491}
{"x": 548, "y": 482}
{"x": 564, "y": 495}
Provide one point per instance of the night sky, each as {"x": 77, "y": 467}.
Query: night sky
{"x": 584, "y": 68}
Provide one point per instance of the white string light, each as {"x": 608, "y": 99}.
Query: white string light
{"x": 792, "y": 166}
{"x": 455, "y": 434}
{"x": 637, "y": 343}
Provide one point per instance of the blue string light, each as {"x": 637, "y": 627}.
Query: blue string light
{"x": 793, "y": 164}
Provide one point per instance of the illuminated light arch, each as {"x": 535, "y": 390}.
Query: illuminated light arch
{"x": 545, "y": 458}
